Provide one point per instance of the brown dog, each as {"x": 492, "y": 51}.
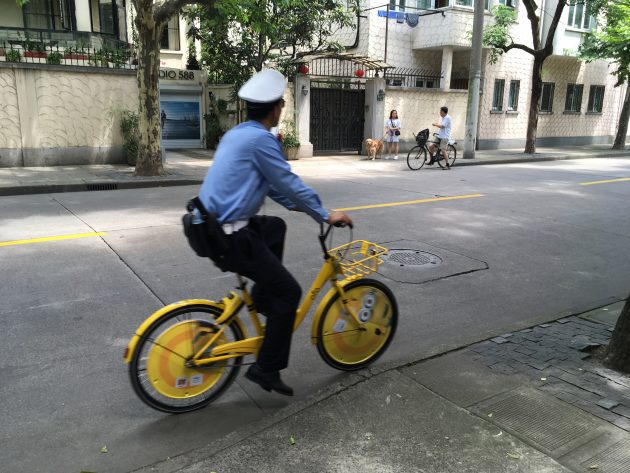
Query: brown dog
{"x": 373, "y": 147}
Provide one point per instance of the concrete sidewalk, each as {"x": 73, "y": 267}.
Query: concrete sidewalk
{"x": 493, "y": 407}
{"x": 186, "y": 167}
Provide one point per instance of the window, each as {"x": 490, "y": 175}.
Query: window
{"x": 464, "y": 3}
{"x": 515, "y": 87}
{"x": 397, "y": 5}
{"x": 595, "y": 99}
{"x": 424, "y": 4}
{"x": 497, "y": 96}
{"x": 102, "y": 16}
{"x": 546, "y": 98}
{"x": 574, "y": 98}
{"x": 578, "y": 16}
{"x": 170, "y": 36}
{"x": 507, "y": 3}
{"x": 442, "y": 3}
{"x": 47, "y": 15}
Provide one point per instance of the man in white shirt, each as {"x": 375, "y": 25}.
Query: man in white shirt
{"x": 444, "y": 135}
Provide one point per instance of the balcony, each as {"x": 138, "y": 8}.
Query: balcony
{"x": 454, "y": 29}
{"x": 65, "y": 39}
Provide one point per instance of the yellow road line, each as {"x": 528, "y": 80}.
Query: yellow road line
{"x": 604, "y": 182}
{"x": 52, "y": 238}
{"x": 411, "y": 202}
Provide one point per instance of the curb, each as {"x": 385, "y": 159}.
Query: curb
{"x": 187, "y": 459}
{"x": 95, "y": 186}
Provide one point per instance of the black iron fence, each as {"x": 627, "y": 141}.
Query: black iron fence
{"x": 30, "y": 51}
{"x": 417, "y": 78}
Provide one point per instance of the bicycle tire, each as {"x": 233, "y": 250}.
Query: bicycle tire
{"x": 350, "y": 350}
{"x": 416, "y": 157}
{"x": 157, "y": 370}
{"x": 451, "y": 155}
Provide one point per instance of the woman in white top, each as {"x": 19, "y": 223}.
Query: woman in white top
{"x": 393, "y": 134}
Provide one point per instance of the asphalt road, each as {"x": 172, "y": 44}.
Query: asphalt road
{"x": 524, "y": 243}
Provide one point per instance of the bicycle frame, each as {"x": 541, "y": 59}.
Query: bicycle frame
{"x": 233, "y": 304}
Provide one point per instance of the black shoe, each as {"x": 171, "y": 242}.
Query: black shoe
{"x": 268, "y": 380}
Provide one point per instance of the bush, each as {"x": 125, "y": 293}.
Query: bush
{"x": 54, "y": 58}
{"x": 13, "y": 55}
{"x": 129, "y": 127}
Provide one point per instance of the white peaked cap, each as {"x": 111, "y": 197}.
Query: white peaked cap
{"x": 264, "y": 87}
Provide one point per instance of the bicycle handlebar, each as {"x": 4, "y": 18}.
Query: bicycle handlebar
{"x": 324, "y": 234}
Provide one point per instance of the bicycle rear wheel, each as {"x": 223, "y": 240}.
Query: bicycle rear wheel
{"x": 451, "y": 154}
{"x": 416, "y": 157}
{"x": 158, "y": 370}
{"x": 344, "y": 345}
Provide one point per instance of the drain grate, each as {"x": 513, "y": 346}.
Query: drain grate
{"x": 543, "y": 421}
{"x": 615, "y": 459}
{"x": 102, "y": 187}
{"x": 411, "y": 257}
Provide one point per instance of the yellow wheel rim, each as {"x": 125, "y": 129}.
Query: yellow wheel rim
{"x": 166, "y": 362}
{"x": 347, "y": 343}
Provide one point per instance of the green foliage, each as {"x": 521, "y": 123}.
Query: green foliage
{"x": 289, "y": 134}
{"x": 497, "y": 36}
{"x": 612, "y": 40}
{"x": 129, "y": 127}
{"x": 192, "y": 64}
{"x": 54, "y": 58}
{"x": 13, "y": 55}
{"x": 239, "y": 37}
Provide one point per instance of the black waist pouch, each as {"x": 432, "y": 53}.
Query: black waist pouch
{"x": 206, "y": 237}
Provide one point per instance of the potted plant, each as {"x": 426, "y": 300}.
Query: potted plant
{"x": 73, "y": 53}
{"x": 34, "y": 49}
{"x": 54, "y": 58}
{"x": 13, "y": 55}
{"x": 289, "y": 139}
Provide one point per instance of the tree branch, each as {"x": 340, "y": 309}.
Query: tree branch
{"x": 165, "y": 10}
{"x": 534, "y": 21}
{"x": 554, "y": 24}
{"x": 521, "y": 47}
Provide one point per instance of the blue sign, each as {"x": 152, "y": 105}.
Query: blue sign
{"x": 393, "y": 15}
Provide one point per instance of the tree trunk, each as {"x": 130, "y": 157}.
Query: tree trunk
{"x": 618, "y": 355}
{"x": 532, "y": 120}
{"x": 149, "y": 34}
{"x": 622, "y": 126}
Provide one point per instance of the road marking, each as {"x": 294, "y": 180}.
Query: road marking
{"x": 411, "y": 202}
{"x": 604, "y": 182}
{"x": 51, "y": 238}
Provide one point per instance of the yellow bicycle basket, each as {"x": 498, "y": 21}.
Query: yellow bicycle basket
{"x": 358, "y": 258}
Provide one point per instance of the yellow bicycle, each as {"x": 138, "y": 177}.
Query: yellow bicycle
{"x": 188, "y": 353}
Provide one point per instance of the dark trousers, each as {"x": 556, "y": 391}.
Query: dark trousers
{"x": 256, "y": 253}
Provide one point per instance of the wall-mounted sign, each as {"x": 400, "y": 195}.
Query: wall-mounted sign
{"x": 178, "y": 74}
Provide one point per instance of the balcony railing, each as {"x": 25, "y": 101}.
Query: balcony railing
{"x": 73, "y": 39}
{"x": 29, "y": 51}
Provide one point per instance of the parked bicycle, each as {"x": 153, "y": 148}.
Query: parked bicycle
{"x": 417, "y": 156}
{"x": 187, "y": 354}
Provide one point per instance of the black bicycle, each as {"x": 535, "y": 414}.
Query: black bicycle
{"x": 417, "y": 157}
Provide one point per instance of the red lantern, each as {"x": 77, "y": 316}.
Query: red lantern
{"x": 359, "y": 73}
{"x": 303, "y": 69}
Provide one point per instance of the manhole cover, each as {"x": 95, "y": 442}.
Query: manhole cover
{"x": 411, "y": 257}
{"x": 616, "y": 459}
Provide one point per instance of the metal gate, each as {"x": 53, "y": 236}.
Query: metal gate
{"x": 337, "y": 116}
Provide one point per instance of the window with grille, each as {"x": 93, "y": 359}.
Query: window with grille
{"x": 497, "y": 96}
{"x": 515, "y": 87}
{"x": 573, "y": 102}
{"x": 170, "y": 35}
{"x": 579, "y": 17}
{"x": 546, "y": 98}
{"x": 595, "y": 99}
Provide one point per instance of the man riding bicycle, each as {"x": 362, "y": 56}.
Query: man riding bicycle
{"x": 248, "y": 166}
{"x": 444, "y": 135}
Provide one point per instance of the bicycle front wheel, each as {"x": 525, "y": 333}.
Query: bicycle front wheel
{"x": 451, "y": 155}
{"x": 416, "y": 157}
{"x": 341, "y": 342}
{"x": 159, "y": 372}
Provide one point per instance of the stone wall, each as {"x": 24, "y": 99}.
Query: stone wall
{"x": 62, "y": 115}
{"x": 419, "y": 108}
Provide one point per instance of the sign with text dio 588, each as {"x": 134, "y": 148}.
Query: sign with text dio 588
{"x": 178, "y": 75}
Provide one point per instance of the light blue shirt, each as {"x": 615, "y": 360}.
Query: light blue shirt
{"x": 248, "y": 166}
